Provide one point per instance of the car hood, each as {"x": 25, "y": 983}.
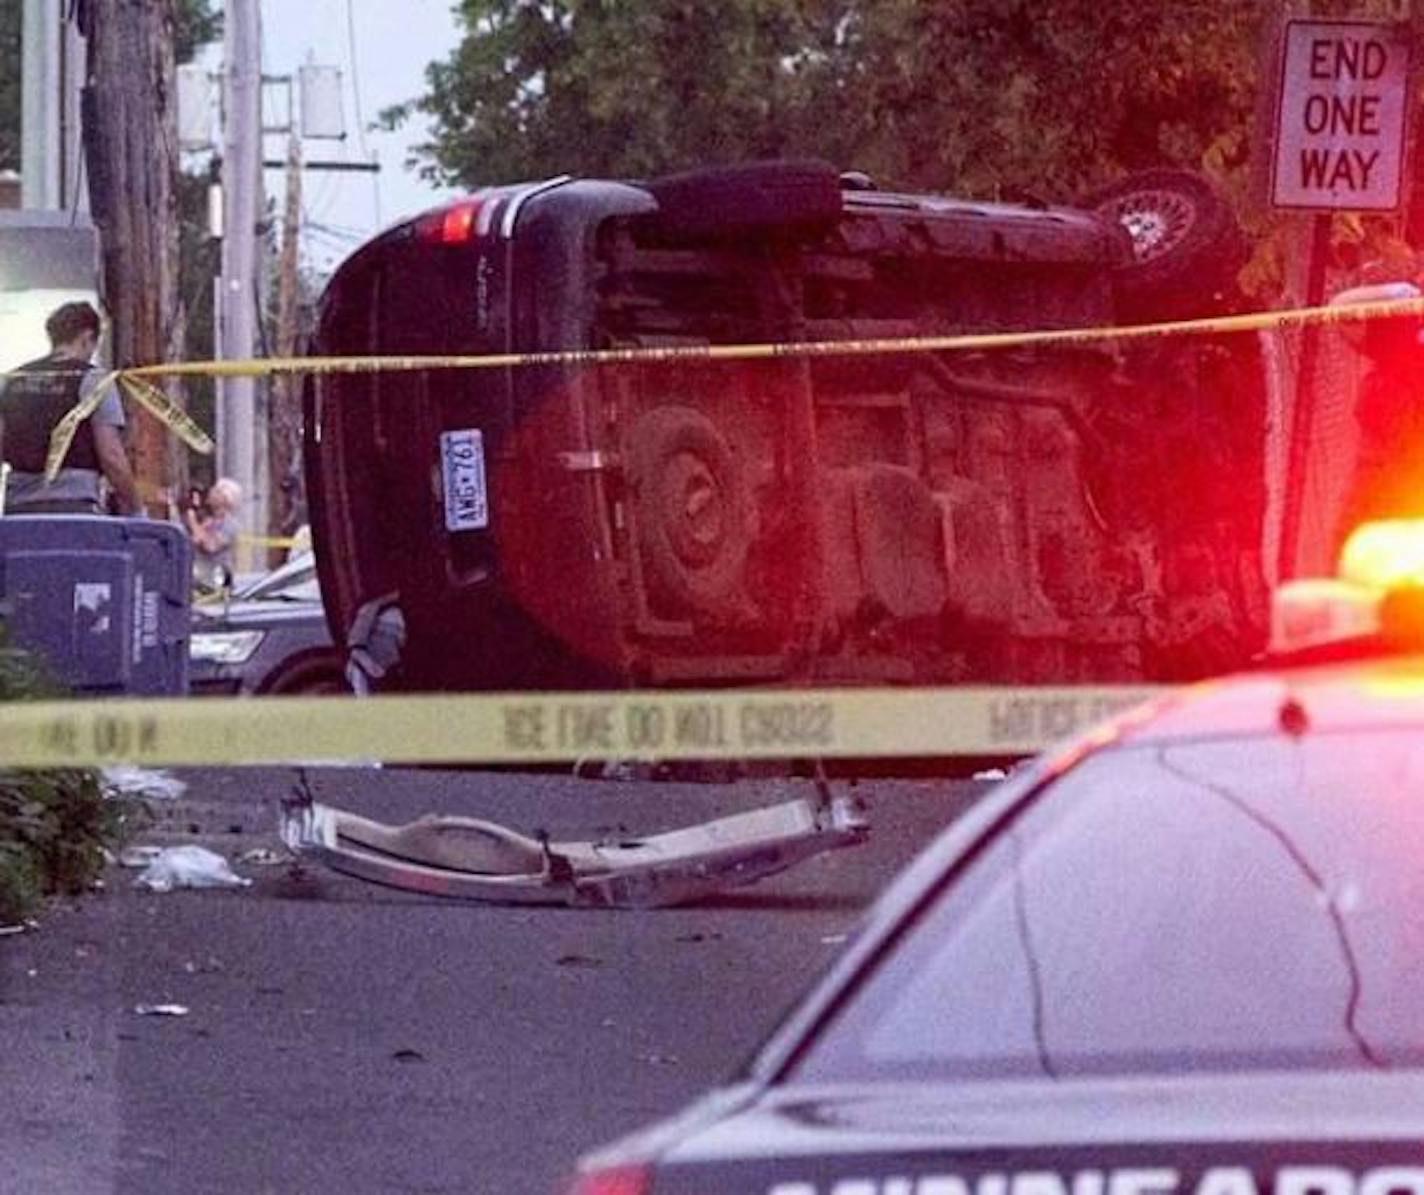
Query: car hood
{"x": 1295, "y": 1133}
{"x": 219, "y": 616}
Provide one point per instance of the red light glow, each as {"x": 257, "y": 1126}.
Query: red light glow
{"x": 618, "y": 1180}
{"x": 1384, "y": 554}
{"x": 454, "y": 225}
{"x": 459, "y": 223}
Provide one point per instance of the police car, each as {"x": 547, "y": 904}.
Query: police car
{"x": 1183, "y": 955}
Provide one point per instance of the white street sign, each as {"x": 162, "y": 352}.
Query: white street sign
{"x": 1340, "y": 122}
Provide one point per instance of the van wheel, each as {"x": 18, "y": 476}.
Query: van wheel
{"x": 753, "y": 198}
{"x": 1186, "y": 246}
{"x": 691, "y": 508}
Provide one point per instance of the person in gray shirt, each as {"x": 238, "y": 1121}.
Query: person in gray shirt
{"x": 36, "y": 397}
{"x": 215, "y": 534}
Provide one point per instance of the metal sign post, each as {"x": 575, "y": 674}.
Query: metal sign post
{"x": 1341, "y": 120}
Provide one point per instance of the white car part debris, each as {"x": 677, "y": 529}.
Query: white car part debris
{"x": 469, "y": 859}
{"x": 161, "y": 1010}
{"x": 991, "y": 774}
{"x": 139, "y": 857}
{"x": 127, "y": 781}
{"x": 188, "y": 867}
{"x": 262, "y": 856}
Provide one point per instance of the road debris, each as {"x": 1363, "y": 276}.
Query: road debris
{"x": 29, "y": 925}
{"x": 262, "y": 856}
{"x": 161, "y": 1010}
{"x": 124, "y": 780}
{"x": 139, "y": 857}
{"x": 577, "y": 960}
{"x": 616, "y": 769}
{"x": 991, "y": 774}
{"x": 188, "y": 867}
{"x": 407, "y": 1056}
{"x": 470, "y": 859}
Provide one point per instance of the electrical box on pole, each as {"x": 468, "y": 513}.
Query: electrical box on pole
{"x": 197, "y": 104}
{"x": 322, "y": 118}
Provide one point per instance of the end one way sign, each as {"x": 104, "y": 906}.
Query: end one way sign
{"x": 1340, "y": 123}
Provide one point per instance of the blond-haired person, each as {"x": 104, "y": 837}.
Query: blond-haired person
{"x": 214, "y": 534}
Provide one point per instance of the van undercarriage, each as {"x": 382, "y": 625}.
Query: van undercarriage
{"x": 1033, "y": 514}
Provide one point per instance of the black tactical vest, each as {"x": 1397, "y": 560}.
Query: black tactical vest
{"x": 36, "y": 398}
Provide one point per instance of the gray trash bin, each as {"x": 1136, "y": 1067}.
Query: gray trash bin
{"x": 103, "y": 601}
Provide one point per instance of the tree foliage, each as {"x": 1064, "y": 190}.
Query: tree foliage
{"x": 982, "y": 97}
{"x": 194, "y": 24}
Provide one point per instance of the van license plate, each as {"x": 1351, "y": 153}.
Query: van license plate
{"x": 462, "y": 455}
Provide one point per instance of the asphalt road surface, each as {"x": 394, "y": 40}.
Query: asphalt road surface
{"x": 349, "y": 1039}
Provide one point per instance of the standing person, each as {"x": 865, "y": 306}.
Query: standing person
{"x": 214, "y": 534}
{"x": 35, "y": 398}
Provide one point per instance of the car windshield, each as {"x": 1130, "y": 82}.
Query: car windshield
{"x": 1160, "y": 909}
{"x": 296, "y": 580}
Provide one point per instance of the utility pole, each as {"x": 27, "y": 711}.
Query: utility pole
{"x": 259, "y": 441}
{"x": 130, "y": 151}
{"x": 241, "y": 182}
{"x": 284, "y": 429}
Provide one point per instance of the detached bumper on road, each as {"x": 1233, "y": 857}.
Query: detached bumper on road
{"x": 469, "y": 859}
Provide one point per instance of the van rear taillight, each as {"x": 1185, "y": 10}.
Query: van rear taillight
{"x": 453, "y": 225}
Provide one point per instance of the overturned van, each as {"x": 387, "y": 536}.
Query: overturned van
{"x": 1033, "y": 514}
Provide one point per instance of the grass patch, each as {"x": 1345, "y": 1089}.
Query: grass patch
{"x": 55, "y": 824}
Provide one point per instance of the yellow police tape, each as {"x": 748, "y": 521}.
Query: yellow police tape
{"x": 137, "y": 380}
{"x": 541, "y": 728}
{"x": 271, "y": 541}
{"x": 158, "y": 404}
{"x": 532, "y": 728}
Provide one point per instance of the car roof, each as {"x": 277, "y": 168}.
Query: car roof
{"x": 1375, "y": 692}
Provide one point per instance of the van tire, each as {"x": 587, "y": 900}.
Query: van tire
{"x": 1187, "y": 246}
{"x": 756, "y": 198}
{"x": 691, "y": 509}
